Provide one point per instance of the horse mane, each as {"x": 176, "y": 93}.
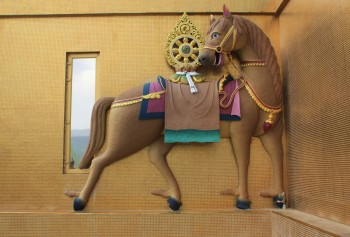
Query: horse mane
{"x": 262, "y": 45}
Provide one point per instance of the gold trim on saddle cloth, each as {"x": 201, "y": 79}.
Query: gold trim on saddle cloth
{"x": 135, "y": 100}
{"x": 222, "y": 81}
{"x": 188, "y": 78}
{"x": 182, "y": 79}
{"x": 222, "y": 92}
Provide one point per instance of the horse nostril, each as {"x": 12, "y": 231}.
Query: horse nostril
{"x": 202, "y": 59}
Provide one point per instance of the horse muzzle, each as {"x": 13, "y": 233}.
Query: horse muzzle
{"x": 210, "y": 58}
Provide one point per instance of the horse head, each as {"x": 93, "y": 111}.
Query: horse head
{"x": 224, "y": 36}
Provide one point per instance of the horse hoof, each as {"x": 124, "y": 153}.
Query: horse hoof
{"x": 174, "y": 204}
{"x": 279, "y": 201}
{"x": 78, "y": 204}
{"x": 243, "y": 204}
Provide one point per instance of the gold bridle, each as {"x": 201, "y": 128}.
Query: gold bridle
{"x": 220, "y": 47}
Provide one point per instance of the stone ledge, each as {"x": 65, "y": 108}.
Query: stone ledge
{"x": 138, "y": 223}
{"x": 296, "y": 223}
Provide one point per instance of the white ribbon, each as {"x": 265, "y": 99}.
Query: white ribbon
{"x": 189, "y": 75}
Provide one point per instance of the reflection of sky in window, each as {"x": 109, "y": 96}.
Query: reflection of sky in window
{"x": 83, "y": 92}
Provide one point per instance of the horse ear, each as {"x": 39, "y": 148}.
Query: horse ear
{"x": 226, "y": 11}
{"x": 211, "y": 19}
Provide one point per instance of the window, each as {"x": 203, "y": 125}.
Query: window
{"x": 80, "y": 98}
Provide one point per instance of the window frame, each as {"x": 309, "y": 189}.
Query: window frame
{"x": 70, "y": 56}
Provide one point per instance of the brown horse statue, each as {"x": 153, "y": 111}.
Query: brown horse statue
{"x": 260, "y": 100}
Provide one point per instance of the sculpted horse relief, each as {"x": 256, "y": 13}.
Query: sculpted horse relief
{"x": 240, "y": 51}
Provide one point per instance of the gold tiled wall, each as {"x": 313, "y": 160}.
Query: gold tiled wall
{"x": 104, "y": 7}
{"x": 32, "y": 72}
{"x": 315, "y": 45}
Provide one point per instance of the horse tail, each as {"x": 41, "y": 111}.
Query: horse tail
{"x": 97, "y": 130}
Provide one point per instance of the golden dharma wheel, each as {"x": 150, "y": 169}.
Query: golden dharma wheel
{"x": 184, "y": 49}
{"x": 183, "y": 44}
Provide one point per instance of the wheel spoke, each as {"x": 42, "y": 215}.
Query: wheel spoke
{"x": 178, "y": 57}
{"x": 194, "y": 57}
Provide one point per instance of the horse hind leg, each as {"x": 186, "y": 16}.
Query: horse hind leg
{"x": 97, "y": 166}
{"x": 126, "y": 134}
{"x": 157, "y": 154}
{"x": 272, "y": 142}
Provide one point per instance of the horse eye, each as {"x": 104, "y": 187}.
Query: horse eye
{"x": 215, "y": 35}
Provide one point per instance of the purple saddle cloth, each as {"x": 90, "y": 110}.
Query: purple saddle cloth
{"x": 155, "y": 108}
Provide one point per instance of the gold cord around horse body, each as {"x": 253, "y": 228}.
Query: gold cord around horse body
{"x": 233, "y": 94}
{"x": 135, "y": 100}
{"x": 257, "y": 63}
{"x": 267, "y": 108}
{"x": 260, "y": 103}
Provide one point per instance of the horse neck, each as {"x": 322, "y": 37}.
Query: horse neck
{"x": 247, "y": 53}
{"x": 256, "y": 46}
{"x": 259, "y": 48}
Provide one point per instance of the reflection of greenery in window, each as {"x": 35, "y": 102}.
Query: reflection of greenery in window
{"x": 80, "y": 98}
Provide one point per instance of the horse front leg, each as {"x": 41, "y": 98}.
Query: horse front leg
{"x": 240, "y": 142}
{"x": 241, "y": 149}
{"x": 157, "y": 152}
{"x": 272, "y": 142}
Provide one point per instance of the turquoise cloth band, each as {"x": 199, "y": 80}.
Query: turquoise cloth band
{"x": 191, "y": 135}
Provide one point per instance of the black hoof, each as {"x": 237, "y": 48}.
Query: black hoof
{"x": 243, "y": 204}
{"x": 78, "y": 204}
{"x": 279, "y": 201}
{"x": 174, "y": 204}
